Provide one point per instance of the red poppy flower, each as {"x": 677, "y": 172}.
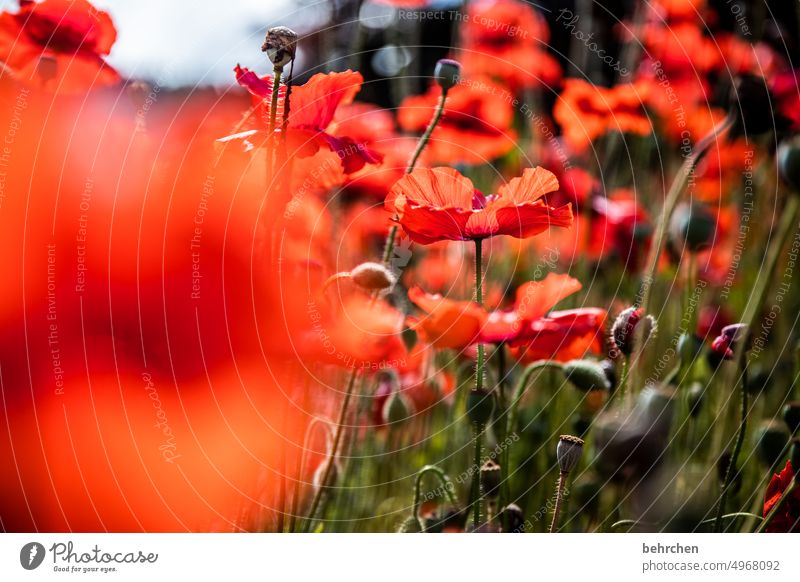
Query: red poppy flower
{"x": 311, "y": 110}
{"x": 562, "y": 335}
{"x": 784, "y": 87}
{"x": 586, "y": 112}
{"x": 476, "y": 125}
{"x": 441, "y": 204}
{"x": 506, "y": 39}
{"x": 788, "y": 519}
{"x": 447, "y": 323}
{"x": 621, "y": 227}
{"x": 58, "y": 44}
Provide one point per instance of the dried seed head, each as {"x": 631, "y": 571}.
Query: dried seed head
{"x": 373, "y": 277}
{"x": 490, "y": 478}
{"x": 626, "y": 327}
{"x": 280, "y": 45}
{"x": 447, "y": 73}
{"x": 568, "y": 452}
{"x": 586, "y": 375}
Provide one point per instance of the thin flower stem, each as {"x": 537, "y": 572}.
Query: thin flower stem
{"x": 475, "y": 491}
{"x": 562, "y": 481}
{"x": 337, "y": 438}
{"x": 388, "y": 247}
{"x": 737, "y": 448}
{"x": 447, "y": 485}
{"x": 273, "y": 112}
{"x": 778, "y": 506}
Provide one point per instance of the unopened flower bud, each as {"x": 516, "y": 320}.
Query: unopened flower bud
{"x": 771, "y": 440}
{"x": 627, "y": 326}
{"x": 447, "y": 73}
{"x": 319, "y": 475}
{"x": 373, "y": 276}
{"x": 586, "y": 375}
{"x": 696, "y": 395}
{"x": 479, "y": 407}
{"x": 396, "y": 409}
{"x": 692, "y": 226}
{"x": 689, "y": 347}
{"x": 610, "y": 370}
{"x": 795, "y": 457}
{"x": 791, "y": 416}
{"x": 788, "y": 156}
{"x": 490, "y": 478}
{"x": 568, "y": 452}
{"x": 280, "y": 45}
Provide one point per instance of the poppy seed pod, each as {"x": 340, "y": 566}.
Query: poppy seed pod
{"x": 610, "y": 370}
{"x": 447, "y": 73}
{"x": 490, "y": 478}
{"x": 280, "y": 45}
{"x": 586, "y": 375}
{"x": 788, "y": 156}
{"x": 791, "y": 416}
{"x": 692, "y": 227}
{"x": 479, "y": 407}
{"x": 626, "y": 326}
{"x": 568, "y": 452}
{"x": 373, "y": 277}
{"x": 513, "y": 516}
{"x": 771, "y": 439}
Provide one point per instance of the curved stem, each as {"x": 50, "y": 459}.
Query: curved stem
{"x": 562, "y": 481}
{"x": 777, "y": 507}
{"x": 337, "y": 438}
{"x": 273, "y": 112}
{"x": 447, "y": 485}
{"x": 737, "y": 448}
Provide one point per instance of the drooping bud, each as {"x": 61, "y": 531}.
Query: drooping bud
{"x": 788, "y": 156}
{"x": 725, "y": 343}
{"x": 627, "y": 326}
{"x": 692, "y": 226}
{"x": 490, "y": 478}
{"x": 771, "y": 439}
{"x": 396, "y": 409}
{"x": 689, "y": 347}
{"x": 696, "y": 395}
{"x": 791, "y": 416}
{"x": 280, "y": 45}
{"x": 319, "y": 475}
{"x": 568, "y": 452}
{"x": 586, "y": 375}
{"x": 373, "y": 276}
{"x": 610, "y": 370}
{"x": 447, "y": 73}
{"x": 479, "y": 407}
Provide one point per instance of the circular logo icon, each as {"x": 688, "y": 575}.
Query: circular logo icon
{"x": 31, "y": 555}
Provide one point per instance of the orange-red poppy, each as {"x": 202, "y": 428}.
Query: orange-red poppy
{"x": 563, "y": 335}
{"x": 476, "y": 126}
{"x": 446, "y": 323}
{"x": 58, "y": 45}
{"x": 787, "y": 520}
{"x": 311, "y": 111}
{"x": 586, "y": 112}
{"x": 507, "y": 39}
{"x": 441, "y": 204}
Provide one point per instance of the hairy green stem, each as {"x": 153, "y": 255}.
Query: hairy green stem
{"x": 562, "y": 481}
{"x": 475, "y": 490}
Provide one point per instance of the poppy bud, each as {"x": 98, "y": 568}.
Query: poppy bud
{"x": 795, "y": 457}
{"x": 447, "y": 73}
{"x": 788, "y": 156}
{"x": 696, "y": 395}
{"x": 725, "y": 343}
{"x": 753, "y": 107}
{"x": 586, "y": 375}
{"x": 771, "y": 439}
{"x": 689, "y": 347}
{"x": 568, "y": 452}
{"x": 692, "y": 226}
{"x": 610, "y": 370}
{"x": 373, "y": 276}
{"x": 453, "y": 520}
{"x": 624, "y": 330}
{"x": 396, "y": 409}
{"x": 280, "y": 45}
{"x": 490, "y": 478}
{"x": 513, "y": 516}
{"x": 479, "y": 407}
{"x": 319, "y": 475}
{"x": 791, "y": 416}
